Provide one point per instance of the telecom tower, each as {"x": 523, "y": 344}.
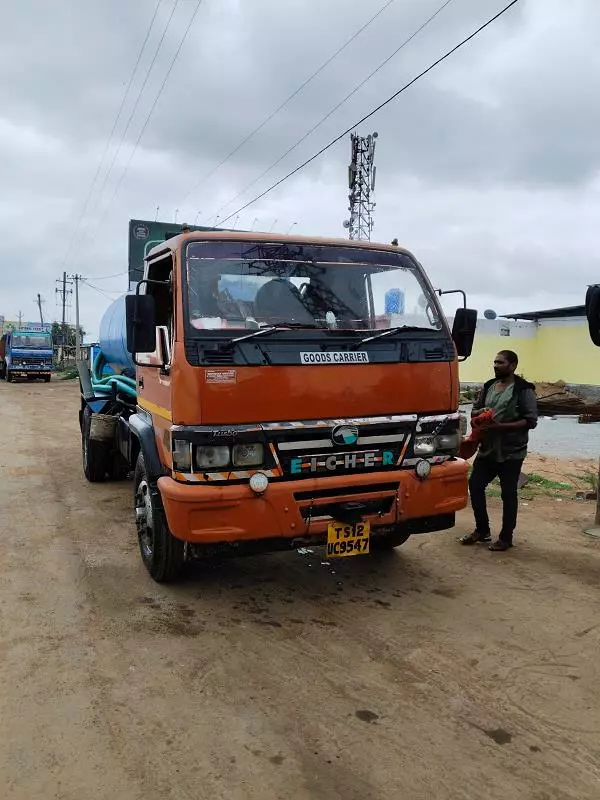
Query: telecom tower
{"x": 361, "y": 181}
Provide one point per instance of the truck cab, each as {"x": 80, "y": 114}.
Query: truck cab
{"x": 26, "y": 354}
{"x": 288, "y": 391}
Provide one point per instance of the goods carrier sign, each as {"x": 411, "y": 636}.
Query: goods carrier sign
{"x": 334, "y": 357}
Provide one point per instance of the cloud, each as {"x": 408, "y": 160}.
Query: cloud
{"x": 487, "y": 168}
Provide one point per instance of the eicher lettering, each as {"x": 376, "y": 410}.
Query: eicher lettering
{"x": 342, "y": 461}
{"x": 334, "y": 357}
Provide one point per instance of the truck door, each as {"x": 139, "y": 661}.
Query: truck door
{"x": 154, "y": 377}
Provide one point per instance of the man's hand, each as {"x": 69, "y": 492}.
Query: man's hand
{"x": 477, "y": 411}
{"x": 483, "y": 419}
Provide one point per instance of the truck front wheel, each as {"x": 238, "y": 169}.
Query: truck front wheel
{"x": 161, "y": 552}
{"x": 8, "y": 375}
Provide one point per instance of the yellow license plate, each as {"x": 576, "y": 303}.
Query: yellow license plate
{"x": 348, "y": 540}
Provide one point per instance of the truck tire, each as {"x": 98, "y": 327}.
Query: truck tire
{"x": 47, "y": 378}
{"x": 118, "y": 468}
{"x": 389, "y": 540}
{"x": 95, "y": 454}
{"x": 8, "y": 376}
{"x": 162, "y": 554}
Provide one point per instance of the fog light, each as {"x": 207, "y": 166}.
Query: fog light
{"x": 259, "y": 482}
{"x": 423, "y": 469}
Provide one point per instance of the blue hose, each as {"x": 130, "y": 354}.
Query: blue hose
{"x": 102, "y": 384}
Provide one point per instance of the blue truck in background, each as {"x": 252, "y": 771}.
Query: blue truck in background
{"x": 26, "y": 354}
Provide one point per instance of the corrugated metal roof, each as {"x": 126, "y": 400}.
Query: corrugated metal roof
{"x": 549, "y": 313}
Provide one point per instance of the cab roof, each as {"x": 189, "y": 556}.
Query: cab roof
{"x": 176, "y": 242}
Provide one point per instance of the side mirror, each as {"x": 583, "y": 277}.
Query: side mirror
{"x": 592, "y": 312}
{"x": 140, "y": 316}
{"x": 463, "y": 331}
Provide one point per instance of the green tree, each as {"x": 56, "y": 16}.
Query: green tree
{"x": 66, "y": 338}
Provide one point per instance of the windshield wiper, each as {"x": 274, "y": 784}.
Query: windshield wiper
{"x": 390, "y": 332}
{"x": 264, "y": 331}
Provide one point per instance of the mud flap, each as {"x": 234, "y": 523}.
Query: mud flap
{"x": 144, "y": 433}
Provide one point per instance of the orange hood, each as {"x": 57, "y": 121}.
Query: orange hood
{"x": 243, "y": 395}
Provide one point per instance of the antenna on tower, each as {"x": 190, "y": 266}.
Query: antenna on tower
{"x": 361, "y": 182}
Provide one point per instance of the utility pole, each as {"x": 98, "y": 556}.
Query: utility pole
{"x": 76, "y": 279}
{"x": 361, "y": 182}
{"x": 39, "y": 305}
{"x": 20, "y": 315}
{"x": 63, "y": 330}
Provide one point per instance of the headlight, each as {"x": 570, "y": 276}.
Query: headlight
{"x": 208, "y": 457}
{"x": 425, "y": 445}
{"x": 449, "y": 442}
{"x": 248, "y": 455}
{"x": 182, "y": 455}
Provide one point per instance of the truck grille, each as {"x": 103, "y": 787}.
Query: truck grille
{"x": 310, "y": 453}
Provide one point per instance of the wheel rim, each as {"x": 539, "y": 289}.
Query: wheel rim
{"x": 143, "y": 519}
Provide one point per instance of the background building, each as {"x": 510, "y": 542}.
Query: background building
{"x": 7, "y": 325}
{"x": 552, "y": 345}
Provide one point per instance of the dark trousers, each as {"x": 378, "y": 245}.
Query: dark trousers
{"x": 484, "y": 471}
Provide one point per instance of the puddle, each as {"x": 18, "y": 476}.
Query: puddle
{"x": 563, "y": 437}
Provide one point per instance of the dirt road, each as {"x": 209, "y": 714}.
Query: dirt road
{"x": 434, "y": 672}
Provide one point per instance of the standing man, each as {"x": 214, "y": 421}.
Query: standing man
{"x": 503, "y": 447}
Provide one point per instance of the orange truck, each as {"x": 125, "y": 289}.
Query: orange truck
{"x": 275, "y": 392}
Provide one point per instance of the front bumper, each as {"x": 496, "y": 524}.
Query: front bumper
{"x": 23, "y": 372}
{"x": 210, "y": 514}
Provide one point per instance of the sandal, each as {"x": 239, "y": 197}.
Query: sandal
{"x": 473, "y": 538}
{"x": 500, "y": 546}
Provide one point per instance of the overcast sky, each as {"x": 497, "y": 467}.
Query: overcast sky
{"x": 487, "y": 168}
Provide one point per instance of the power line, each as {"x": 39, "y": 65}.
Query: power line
{"x": 150, "y": 113}
{"x": 100, "y": 291}
{"x": 371, "y": 113}
{"x": 138, "y": 98}
{"x": 111, "y": 135}
{"x": 339, "y": 105}
{"x": 128, "y": 123}
{"x": 279, "y": 108}
{"x": 106, "y": 277}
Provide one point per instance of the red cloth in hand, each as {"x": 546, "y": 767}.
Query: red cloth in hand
{"x": 468, "y": 446}
{"x": 479, "y": 422}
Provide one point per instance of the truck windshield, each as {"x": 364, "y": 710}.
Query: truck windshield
{"x": 32, "y": 341}
{"x": 248, "y": 285}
